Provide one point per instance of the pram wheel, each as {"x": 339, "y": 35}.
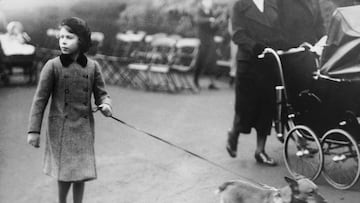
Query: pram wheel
{"x": 302, "y": 152}
{"x": 341, "y": 159}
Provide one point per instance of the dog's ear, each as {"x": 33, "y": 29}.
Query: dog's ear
{"x": 289, "y": 180}
{"x": 292, "y": 183}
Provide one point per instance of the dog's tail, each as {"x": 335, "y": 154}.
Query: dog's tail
{"x": 223, "y": 186}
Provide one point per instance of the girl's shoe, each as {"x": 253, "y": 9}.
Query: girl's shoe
{"x": 263, "y": 158}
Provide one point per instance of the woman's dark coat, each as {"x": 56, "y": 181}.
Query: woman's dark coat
{"x": 255, "y": 79}
{"x": 251, "y": 27}
{"x": 207, "y": 57}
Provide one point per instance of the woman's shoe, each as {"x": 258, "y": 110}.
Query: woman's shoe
{"x": 263, "y": 158}
{"x": 231, "y": 151}
{"x": 231, "y": 145}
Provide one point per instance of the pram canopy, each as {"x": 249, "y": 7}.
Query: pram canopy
{"x": 341, "y": 56}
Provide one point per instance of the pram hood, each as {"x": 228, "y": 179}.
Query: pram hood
{"x": 341, "y": 56}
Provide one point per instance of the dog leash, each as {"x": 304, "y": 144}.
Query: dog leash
{"x": 185, "y": 150}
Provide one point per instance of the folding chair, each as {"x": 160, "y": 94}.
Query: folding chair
{"x": 128, "y": 42}
{"x": 111, "y": 68}
{"x": 97, "y": 39}
{"x": 11, "y": 56}
{"x": 132, "y": 47}
{"x": 163, "y": 51}
{"x": 184, "y": 61}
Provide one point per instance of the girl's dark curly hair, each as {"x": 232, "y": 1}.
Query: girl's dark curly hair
{"x": 80, "y": 28}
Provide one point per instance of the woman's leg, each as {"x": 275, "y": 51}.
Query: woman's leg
{"x": 63, "y": 190}
{"x": 198, "y": 70}
{"x": 260, "y": 142}
{"x": 260, "y": 155}
{"x": 210, "y": 64}
{"x": 233, "y": 136}
{"x": 266, "y": 105}
{"x": 243, "y": 98}
{"x": 78, "y": 191}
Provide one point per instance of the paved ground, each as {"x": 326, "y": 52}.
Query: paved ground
{"x": 133, "y": 167}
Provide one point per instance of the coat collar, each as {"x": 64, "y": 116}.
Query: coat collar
{"x": 251, "y": 11}
{"x": 66, "y": 60}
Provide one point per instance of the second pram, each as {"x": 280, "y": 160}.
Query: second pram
{"x": 319, "y": 105}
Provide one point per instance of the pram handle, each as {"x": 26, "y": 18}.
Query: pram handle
{"x": 278, "y": 60}
{"x": 281, "y": 93}
{"x": 282, "y": 52}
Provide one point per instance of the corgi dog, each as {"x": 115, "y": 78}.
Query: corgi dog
{"x": 301, "y": 190}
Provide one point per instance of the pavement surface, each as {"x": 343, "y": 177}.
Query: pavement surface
{"x": 134, "y": 167}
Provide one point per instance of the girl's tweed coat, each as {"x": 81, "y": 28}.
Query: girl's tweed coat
{"x": 69, "y": 150}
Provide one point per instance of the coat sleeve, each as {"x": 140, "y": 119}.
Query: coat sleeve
{"x": 41, "y": 98}
{"x": 100, "y": 94}
{"x": 240, "y": 35}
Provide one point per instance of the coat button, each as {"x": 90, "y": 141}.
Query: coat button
{"x": 67, "y": 91}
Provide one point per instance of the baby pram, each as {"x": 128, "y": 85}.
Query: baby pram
{"x": 16, "y": 55}
{"x": 319, "y": 106}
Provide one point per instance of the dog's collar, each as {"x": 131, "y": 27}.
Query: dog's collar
{"x": 295, "y": 199}
{"x": 295, "y": 196}
{"x": 276, "y": 195}
{"x": 277, "y": 198}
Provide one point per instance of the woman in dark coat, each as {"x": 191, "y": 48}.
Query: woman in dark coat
{"x": 207, "y": 27}
{"x": 253, "y": 30}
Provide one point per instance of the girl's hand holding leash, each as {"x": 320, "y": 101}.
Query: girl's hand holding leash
{"x": 34, "y": 139}
{"x": 105, "y": 109}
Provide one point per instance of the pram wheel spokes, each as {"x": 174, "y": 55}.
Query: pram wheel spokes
{"x": 302, "y": 152}
{"x": 341, "y": 159}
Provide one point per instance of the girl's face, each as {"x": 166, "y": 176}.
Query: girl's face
{"x": 68, "y": 42}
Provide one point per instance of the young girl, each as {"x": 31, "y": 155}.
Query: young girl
{"x": 70, "y": 79}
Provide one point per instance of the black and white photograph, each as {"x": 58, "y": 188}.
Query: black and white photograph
{"x": 180, "y": 101}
